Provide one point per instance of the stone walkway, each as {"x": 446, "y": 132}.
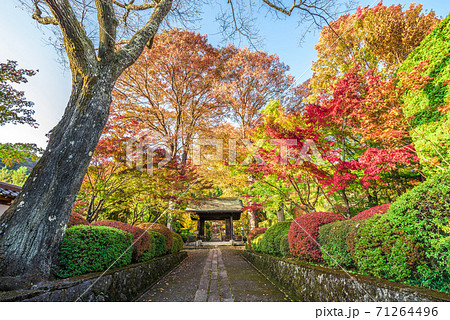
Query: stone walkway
{"x": 214, "y": 275}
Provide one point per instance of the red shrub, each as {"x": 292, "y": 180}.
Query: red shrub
{"x": 372, "y": 211}
{"x": 157, "y": 227}
{"x": 142, "y": 238}
{"x": 304, "y": 231}
{"x": 253, "y": 233}
{"x": 76, "y": 219}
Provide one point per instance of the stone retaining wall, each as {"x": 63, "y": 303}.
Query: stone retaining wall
{"x": 122, "y": 284}
{"x": 305, "y": 282}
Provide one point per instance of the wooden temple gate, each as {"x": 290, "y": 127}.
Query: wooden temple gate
{"x": 210, "y": 209}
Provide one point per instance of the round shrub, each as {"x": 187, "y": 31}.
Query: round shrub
{"x": 76, "y": 219}
{"x": 141, "y": 240}
{"x": 353, "y": 233}
{"x": 86, "y": 249}
{"x": 284, "y": 246}
{"x": 256, "y": 243}
{"x": 411, "y": 242}
{"x": 157, "y": 227}
{"x": 382, "y": 209}
{"x": 271, "y": 242}
{"x": 304, "y": 231}
{"x": 158, "y": 246}
{"x": 177, "y": 242}
{"x": 252, "y": 234}
{"x": 333, "y": 241}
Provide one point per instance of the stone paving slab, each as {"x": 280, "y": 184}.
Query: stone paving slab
{"x": 247, "y": 284}
{"x": 214, "y": 275}
{"x": 181, "y": 283}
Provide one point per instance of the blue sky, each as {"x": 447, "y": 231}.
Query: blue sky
{"x": 26, "y": 42}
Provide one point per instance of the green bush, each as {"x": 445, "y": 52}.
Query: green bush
{"x": 158, "y": 247}
{"x": 177, "y": 242}
{"x": 252, "y": 234}
{"x": 284, "y": 246}
{"x": 271, "y": 241}
{"x": 411, "y": 242}
{"x": 256, "y": 243}
{"x": 333, "y": 240}
{"x": 429, "y": 124}
{"x": 87, "y": 249}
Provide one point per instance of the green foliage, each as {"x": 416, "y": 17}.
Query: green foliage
{"x": 333, "y": 240}
{"x": 185, "y": 233}
{"x": 284, "y": 246}
{"x": 271, "y": 241}
{"x": 16, "y": 155}
{"x": 14, "y": 108}
{"x": 411, "y": 242}
{"x": 253, "y": 234}
{"x": 208, "y": 230}
{"x": 177, "y": 242}
{"x": 256, "y": 243}
{"x": 16, "y": 177}
{"x": 158, "y": 247}
{"x": 86, "y": 249}
{"x": 430, "y": 124}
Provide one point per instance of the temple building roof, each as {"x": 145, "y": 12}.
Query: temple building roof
{"x": 8, "y": 192}
{"x": 216, "y": 205}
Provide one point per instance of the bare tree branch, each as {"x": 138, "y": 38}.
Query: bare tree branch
{"x": 79, "y": 47}
{"x": 107, "y": 33}
{"x": 132, "y": 6}
{"x": 131, "y": 51}
{"x": 37, "y": 15}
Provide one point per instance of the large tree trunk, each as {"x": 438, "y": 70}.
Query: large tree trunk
{"x": 252, "y": 219}
{"x": 31, "y": 230}
{"x": 41, "y": 212}
{"x": 280, "y": 215}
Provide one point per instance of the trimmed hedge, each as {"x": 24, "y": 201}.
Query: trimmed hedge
{"x": 411, "y": 242}
{"x": 87, "y": 249}
{"x": 252, "y": 235}
{"x": 333, "y": 238}
{"x": 157, "y": 227}
{"x": 158, "y": 246}
{"x": 177, "y": 242}
{"x": 284, "y": 246}
{"x": 271, "y": 242}
{"x": 256, "y": 243}
{"x": 76, "y": 219}
{"x": 142, "y": 241}
{"x": 382, "y": 209}
{"x": 429, "y": 122}
{"x": 304, "y": 231}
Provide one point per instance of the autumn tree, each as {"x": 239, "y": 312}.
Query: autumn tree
{"x": 128, "y": 184}
{"x": 168, "y": 92}
{"x": 98, "y": 52}
{"x": 285, "y": 172}
{"x": 250, "y": 81}
{"x": 361, "y": 135}
{"x": 15, "y": 109}
{"x": 378, "y": 38}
